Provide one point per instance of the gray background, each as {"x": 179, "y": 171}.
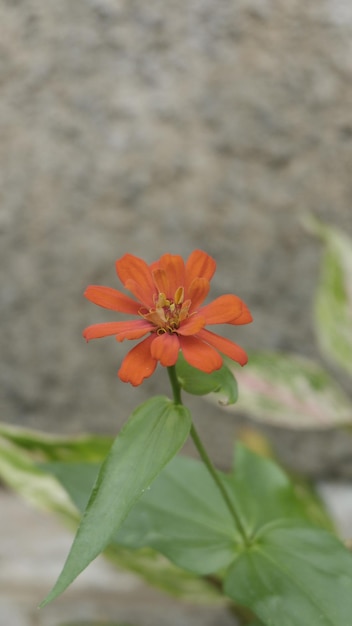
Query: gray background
{"x": 145, "y": 127}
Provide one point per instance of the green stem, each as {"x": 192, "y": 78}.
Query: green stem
{"x": 212, "y": 471}
{"x": 176, "y": 389}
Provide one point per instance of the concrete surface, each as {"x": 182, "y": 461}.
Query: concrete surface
{"x": 133, "y": 126}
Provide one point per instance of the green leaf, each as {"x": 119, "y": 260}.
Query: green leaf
{"x": 184, "y": 517}
{"x": 78, "y": 479}
{"x": 152, "y": 436}
{"x": 293, "y": 575}
{"x": 333, "y": 306}
{"x": 291, "y": 391}
{"x": 20, "y": 451}
{"x": 263, "y": 493}
{"x": 221, "y": 382}
{"x": 158, "y": 571}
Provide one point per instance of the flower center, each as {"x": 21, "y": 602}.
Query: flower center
{"x": 167, "y": 314}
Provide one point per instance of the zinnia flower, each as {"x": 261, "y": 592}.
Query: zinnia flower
{"x": 168, "y": 297}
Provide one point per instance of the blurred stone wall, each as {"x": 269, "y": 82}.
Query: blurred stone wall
{"x": 161, "y": 126}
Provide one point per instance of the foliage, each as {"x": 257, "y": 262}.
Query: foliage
{"x": 251, "y": 536}
{"x": 296, "y": 392}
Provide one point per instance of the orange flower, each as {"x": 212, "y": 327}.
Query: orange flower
{"x": 169, "y": 294}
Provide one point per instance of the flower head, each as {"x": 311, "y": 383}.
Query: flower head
{"x": 168, "y": 295}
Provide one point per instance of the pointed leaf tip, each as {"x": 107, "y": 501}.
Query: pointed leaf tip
{"x": 153, "y": 434}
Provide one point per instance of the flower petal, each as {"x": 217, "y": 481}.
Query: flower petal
{"x": 139, "y": 291}
{"x": 165, "y": 348}
{"x": 245, "y": 316}
{"x": 223, "y": 310}
{"x": 131, "y": 268}
{"x": 191, "y": 325}
{"x": 134, "y": 329}
{"x": 198, "y": 291}
{"x": 174, "y": 267}
{"x": 96, "y": 331}
{"x": 200, "y": 354}
{"x": 138, "y": 364}
{"x": 160, "y": 280}
{"x": 199, "y": 265}
{"x": 227, "y": 347}
{"x": 111, "y": 299}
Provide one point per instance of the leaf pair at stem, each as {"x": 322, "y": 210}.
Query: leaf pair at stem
{"x": 248, "y": 529}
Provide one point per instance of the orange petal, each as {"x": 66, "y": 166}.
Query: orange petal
{"x": 161, "y": 281}
{"x": 165, "y": 348}
{"x": 199, "y": 265}
{"x": 139, "y": 291}
{"x": 96, "y": 331}
{"x": 174, "y": 266}
{"x": 138, "y": 364}
{"x": 131, "y": 268}
{"x": 134, "y": 329}
{"x": 200, "y": 355}
{"x": 223, "y": 310}
{"x": 198, "y": 291}
{"x": 227, "y": 347}
{"x": 191, "y": 325}
{"x": 245, "y": 316}
{"x": 111, "y": 299}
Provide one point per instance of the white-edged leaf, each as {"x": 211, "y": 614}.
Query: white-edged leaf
{"x": 45, "y": 446}
{"x": 333, "y": 302}
{"x": 21, "y": 473}
{"x": 290, "y": 391}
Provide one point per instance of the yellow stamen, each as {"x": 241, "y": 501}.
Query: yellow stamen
{"x": 162, "y": 301}
{"x": 167, "y": 315}
{"x": 179, "y": 295}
